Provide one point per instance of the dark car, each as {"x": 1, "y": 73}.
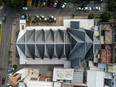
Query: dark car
{"x": 59, "y": 4}
{"x": 4, "y": 17}
{"x": 51, "y": 4}
{"x": 3, "y": 80}
{"x": 111, "y": 9}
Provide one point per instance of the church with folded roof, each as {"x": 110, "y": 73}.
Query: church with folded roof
{"x": 68, "y": 45}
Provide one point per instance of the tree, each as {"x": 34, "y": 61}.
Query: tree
{"x": 106, "y": 16}
{"x": 15, "y": 66}
{"x": 29, "y": 18}
{"x": 16, "y": 4}
{"x": 112, "y": 4}
{"x": 91, "y": 16}
{"x": 10, "y": 61}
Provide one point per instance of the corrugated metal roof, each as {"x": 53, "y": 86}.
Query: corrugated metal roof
{"x": 77, "y": 78}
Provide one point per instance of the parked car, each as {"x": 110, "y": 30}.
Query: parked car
{"x": 10, "y": 74}
{"x": 24, "y": 8}
{"x": 44, "y": 3}
{"x": 3, "y": 80}
{"x": 84, "y": 2}
{"x": 8, "y": 85}
{"x": 64, "y": 4}
{"x": 59, "y": 4}
{"x": 4, "y": 17}
{"x": 111, "y": 9}
{"x": 96, "y": 8}
{"x": 52, "y": 17}
{"x": 36, "y": 3}
{"x": 51, "y": 4}
{"x": 42, "y": 17}
{"x": 22, "y": 16}
{"x": 79, "y": 9}
{"x": 10, "y": 70}
{"x": 87, "y": 8}
{"x": 55, "y": 4}
{"x": 36, "y": 16}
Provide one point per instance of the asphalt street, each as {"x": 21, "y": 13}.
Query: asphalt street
{"x": 5, "y": 41}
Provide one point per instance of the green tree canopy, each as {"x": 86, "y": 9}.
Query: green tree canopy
{"x": 15, "y": 66}
{"x": 16, "y": 4}
{"x": 91, "y": 16}
{"x": 106, "y": 16}
{"x": 112, "y": 4}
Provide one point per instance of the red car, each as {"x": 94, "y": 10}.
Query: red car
{"x": 3, "y": 80}
{"x": 51, "y": 4}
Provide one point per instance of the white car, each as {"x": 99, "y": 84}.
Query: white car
{"x": 8, "y": 85}
{"x": 55, "y": 4}
{"x": 44, "y": 3}
{"x": 87, "y": 8}
{"x": 52, "y": 17}
{"x": 42, "y": 17}
{"x": 64, "y": 4}
{"x": 96, "y": 8}
{"x": 10, "y": 74}
{"x": 25, "y": 8}
{"x": 79, "y": 9}
{"x": 37, "y": 16}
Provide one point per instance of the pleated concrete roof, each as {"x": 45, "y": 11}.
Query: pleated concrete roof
{"x": 73, "y": 44}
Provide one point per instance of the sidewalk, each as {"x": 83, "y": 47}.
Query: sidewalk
{"x": 0, "y": 30}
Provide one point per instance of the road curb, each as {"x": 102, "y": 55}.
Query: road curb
{"x": 1, "y": 31}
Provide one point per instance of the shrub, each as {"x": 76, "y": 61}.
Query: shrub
{"x": 42, "y": 20}
{"x": 83, "y": 5}
{"x": 91, "y": 16}
{"x": 29, "y": 18}
{"x": 73, "y": 15}
{"x": 9, "y": 52}
{"x": 97, "y": 17}
{"x": 15, "y": 66}
{"x": 10, "y": 61}
{"x": 37, "y": 20}
{"x": 33, "y": 21}
{"x": 48, "y": 20}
